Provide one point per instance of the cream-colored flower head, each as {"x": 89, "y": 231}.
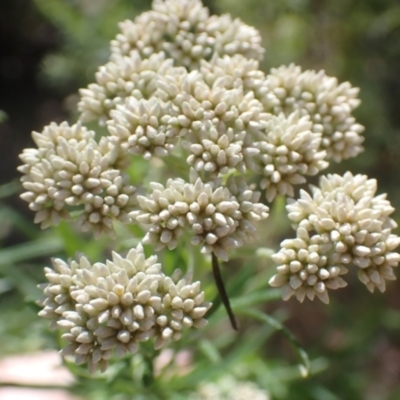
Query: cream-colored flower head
{"x": 234, "y": 37}
{"x": 289, "y": 150}
{"x": 69, "y": 171}
{"x": 236, "y": 71}
{"x": 252, "y": 211}
{"x": 144, "y": 127}
{"x": 121, "y": 78}
{"x": 218, "y": 219}
{"x": 308, "y": 267}
{"x": 352, "y": 229}
{"x": 110, "y": 308}
{"x": 186, "y": 33}
{"x": 217, "y": 122}
{"x": 328, "y": 103}
{"x": 214, "y": 121}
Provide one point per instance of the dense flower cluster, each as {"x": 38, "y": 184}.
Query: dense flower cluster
{"x": 71, "y": 173}
{"x": 288, "y": 151}
{"x": 182, "y": 84}
{"x": 341, "y": 225}
{"x": 219, "y": 124}
{"x": 236, "y": 71}
{"x": 221, "y": 104}
{"x": 329, "y": 104}
{"x": 186, "y": 33}
{"x": 121, "y": 78}
{"x": 144, "y": 127}
{"x": 109, "y": 308}
{"x": 220, "y": 218}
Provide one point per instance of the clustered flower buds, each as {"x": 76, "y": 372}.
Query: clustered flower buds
{"x": 341, "y": 225}
{"x": 288, "y": 151}
{"x": 186, "y": 33}
{"x": 236, "y": 71}
{"x": 181, "y": 84}
{"x": 328, "y": 103}
{"x": 110, "y": 308}
{"x": 223, "y": 111}
{"x": 143, "y": 127}
{"x": 218, "y": 122}
{"x": 124, "y": 77}
{"x": 220, "y": 218}
{"x": 70, "y": 172}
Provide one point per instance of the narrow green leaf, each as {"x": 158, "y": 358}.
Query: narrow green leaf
{"x": 17, "y": 220}
{"x": 22, "y": 281}
{"x": 209, "y": 350}
{"x": 261, "y": 316}
{"x": 9, "y": 188}
{"x": 252, "y": 299}
{"x": 29, "y": 250}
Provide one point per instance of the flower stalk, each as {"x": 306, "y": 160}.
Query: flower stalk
{"x": 222, "y": 291}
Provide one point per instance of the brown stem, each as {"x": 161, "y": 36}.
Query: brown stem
{"x": 222, "y": 291}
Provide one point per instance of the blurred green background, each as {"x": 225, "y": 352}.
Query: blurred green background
{"x": 50, "y": 48}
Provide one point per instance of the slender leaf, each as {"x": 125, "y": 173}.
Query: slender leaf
{"x": 18, "y": 221}
{"x": 261, "y": 316}
{"x": 9, "y": 189}
{"x": 29, "y": 250}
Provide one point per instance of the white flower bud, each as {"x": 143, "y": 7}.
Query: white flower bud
{"x": 101, "y": 319}
{"x": 352, "y": 228}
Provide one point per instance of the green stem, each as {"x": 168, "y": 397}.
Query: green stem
{"x": 222, "y": 291}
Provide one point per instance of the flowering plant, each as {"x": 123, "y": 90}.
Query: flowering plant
{"x": 221, "y": 139}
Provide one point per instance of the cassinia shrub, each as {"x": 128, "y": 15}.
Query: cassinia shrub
{"x": 182, "y": 83}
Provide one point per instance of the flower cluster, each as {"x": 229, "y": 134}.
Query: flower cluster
{"x": 329, "y": 104}
{"x": 219, "y": 124}
{"x": 236, "y": 71}
{"x": 288, "y": 151}
{"x": 110, "y": 308}
{"x": 144, "y": 127}
{"x": 341, "y": 225}
{"x": 221, "y": 104}
{"x": 183, "y": 84}
{"x": 220, "y": 218}
{"x": 71, "y": 173}
{"x": 121, "y": 78}
{"x": 186, "y": 33}
{"x": 216, "y": 117}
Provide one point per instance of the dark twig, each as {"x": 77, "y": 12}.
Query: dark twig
{"x": 222, "y": 291}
